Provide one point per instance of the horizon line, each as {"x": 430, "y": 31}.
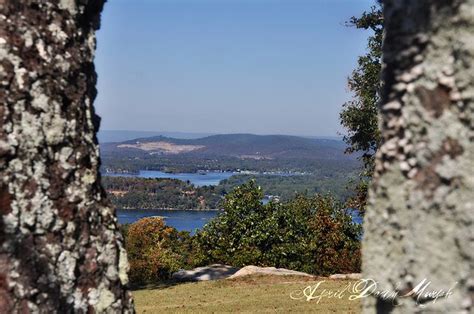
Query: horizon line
{"x": 221, "y": 133}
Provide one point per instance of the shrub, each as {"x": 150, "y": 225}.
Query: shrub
{"x": 153, "y": 250}
{"x": 335, "y": 238}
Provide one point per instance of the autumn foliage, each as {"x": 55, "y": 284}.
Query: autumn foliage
{"x": 152, "y": 251}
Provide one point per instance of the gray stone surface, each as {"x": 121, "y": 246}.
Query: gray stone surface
{"x": 255, "y": 270}
{"x": 212, "y": 272}
{"x": 346, "y": 276}
{"x": 421, "y": 205}
{"x": 219, "y": 271}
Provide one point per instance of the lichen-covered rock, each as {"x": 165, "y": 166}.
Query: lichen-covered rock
{"x": 60, "y": 250}
{"x": 419, "y": 218}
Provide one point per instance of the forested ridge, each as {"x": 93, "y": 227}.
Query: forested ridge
{"x": 228, "y": 152}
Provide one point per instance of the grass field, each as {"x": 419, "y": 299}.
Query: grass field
{"x": 251, "y": 294}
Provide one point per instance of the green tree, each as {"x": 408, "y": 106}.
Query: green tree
{"x": 308, "y": 234}
{"x": 239, "y": 236}
{"x": 359, "y": 116}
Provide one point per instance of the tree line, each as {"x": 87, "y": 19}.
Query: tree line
{"x": 142, "y": 193}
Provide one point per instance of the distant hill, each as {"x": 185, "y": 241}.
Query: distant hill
{"x": 242, "y": 146}
{"x": 110, "y": 136}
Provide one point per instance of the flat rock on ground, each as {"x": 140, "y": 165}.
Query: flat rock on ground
{"x": 212, "y": 272}
{"x": 252, "y": 270}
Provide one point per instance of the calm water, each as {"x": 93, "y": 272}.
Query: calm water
{"x": 198, "y": 179}
{"x": 183, "y": 220}
{"x": 356, "y": 217}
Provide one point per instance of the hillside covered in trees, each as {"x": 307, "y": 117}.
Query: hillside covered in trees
{"x": 228, "y": 152}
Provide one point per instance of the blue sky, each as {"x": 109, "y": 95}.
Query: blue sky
{"x": 227, "y": 66}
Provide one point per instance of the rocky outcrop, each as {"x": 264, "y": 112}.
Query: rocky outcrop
{"x": 255, "y": 270}
{"x": 219, "y": 271}
{"x": 60, "y": 250}
{"x": 212, "y": 272}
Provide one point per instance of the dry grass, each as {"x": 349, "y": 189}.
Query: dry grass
{"x": 251, "y": 294}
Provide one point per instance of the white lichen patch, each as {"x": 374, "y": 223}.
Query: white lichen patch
{"x": 91, "y": 43}
{"x": 69, "y": 5}
{"x": 11, "y": 221}
{"x": 101, "y": 298}
{"x": 28, "y": 38}
{"x": 54, "y": 249}
{"x": 63, "y": 157}
{"x": 89, "y": 177}
{"x": 39, "y": 99}
{"x": 61, "y": 63}
{"x": 6, "y": 54}
{"x": 19, "y": 77}
{"x": 30, "y": 129}
{"x": 57, "y": 32}
{"x": 41, "y": 50}
{"x": 66, "y": 266}
{"x": 80, "y": 303}
{"x": 55, "y": 126}
{"x": 124, "y": 266}
{"x": 112, "y": 273}
{"x": 44, "y": 215}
